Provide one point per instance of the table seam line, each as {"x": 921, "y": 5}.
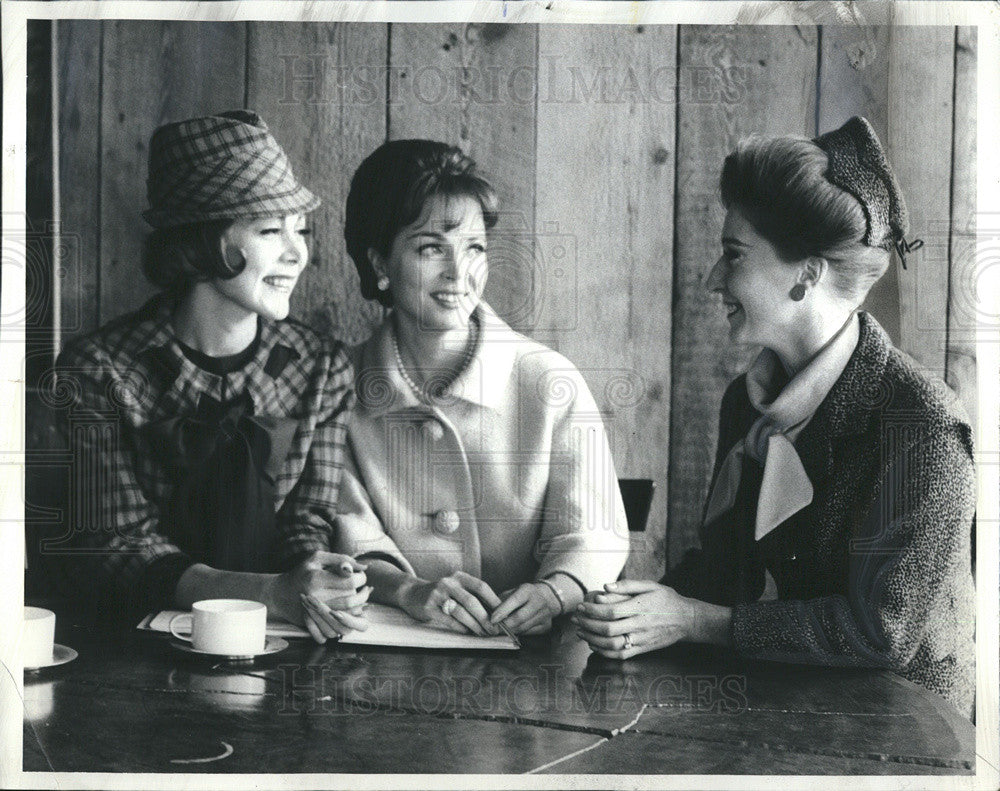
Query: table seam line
{"x": 790, "y": 711}
{"x": 510, "y": 719}
{"x": 944, "y": 763}
{"x": 606, "y": 734}
{"x": 574, "y": 754}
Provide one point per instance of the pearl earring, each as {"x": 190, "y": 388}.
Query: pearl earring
{"x": 798, "y": 292}
{"x": 383, "y": 283}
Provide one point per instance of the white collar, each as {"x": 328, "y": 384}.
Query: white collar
{"x": 381, "y": 388}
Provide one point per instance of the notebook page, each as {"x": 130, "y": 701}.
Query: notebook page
{"x": 388, "y": 626}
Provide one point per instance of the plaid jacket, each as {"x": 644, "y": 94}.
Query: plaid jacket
{"x": 132, "y": 372}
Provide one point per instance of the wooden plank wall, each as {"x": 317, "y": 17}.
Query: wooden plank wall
{"x": 960, "y": 363}
{"x": 742, "y": 81}
{"x": 605, "y": 145}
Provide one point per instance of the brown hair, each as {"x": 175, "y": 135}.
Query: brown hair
{"x": 390, "y": 190}
{"x": 175, "y": 258}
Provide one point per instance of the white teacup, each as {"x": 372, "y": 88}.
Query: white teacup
{"x": 231, "y": 627}
{"x": 37, "y": 637}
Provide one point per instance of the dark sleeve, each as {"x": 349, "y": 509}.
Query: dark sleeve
{"x": 906, "y": 566}
{"x": 160, "y": 580}
{"x": 307, "y": 519}
{"x": 696, "y": 576}
{"x": 114, "y": 524}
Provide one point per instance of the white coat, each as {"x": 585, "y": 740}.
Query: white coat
{"x": 507, "y": 476}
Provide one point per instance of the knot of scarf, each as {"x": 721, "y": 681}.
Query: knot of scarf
{"x": 786, "y": 406}
{"x": 224, "y": 461}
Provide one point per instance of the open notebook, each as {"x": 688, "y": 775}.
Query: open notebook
{"x": 387, "y": 626}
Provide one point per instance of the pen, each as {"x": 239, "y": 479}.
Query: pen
{"x": 505, "y": 629}
{"x": 510, "y": 634}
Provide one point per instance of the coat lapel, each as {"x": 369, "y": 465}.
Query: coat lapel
{"x": 848, "y": 407}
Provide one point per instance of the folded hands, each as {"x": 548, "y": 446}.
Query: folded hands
{"x": 635, "y": 616}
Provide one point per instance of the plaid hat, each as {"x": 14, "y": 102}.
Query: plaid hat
{"x": 858, "y": 165}
{"x": 220, "y": 167}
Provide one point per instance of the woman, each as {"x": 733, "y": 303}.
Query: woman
{"x": 224, "y": 422}
{"x": 480, "y": 488}
{"x": 837, "y": 529}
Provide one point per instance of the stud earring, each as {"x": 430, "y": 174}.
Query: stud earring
{"x": 798, "y": 292}
{"x": 234, "y": 257}
{"x": 383, "y": 283}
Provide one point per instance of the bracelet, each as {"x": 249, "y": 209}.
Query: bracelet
{"x": 558, "y": 594}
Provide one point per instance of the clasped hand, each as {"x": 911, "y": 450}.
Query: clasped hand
{"x": 325, "y": 592}
{"x": 652, "y": 615}
{"x": 463, "y": 603}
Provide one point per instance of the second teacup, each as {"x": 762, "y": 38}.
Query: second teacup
{"x": 37, "y": 635}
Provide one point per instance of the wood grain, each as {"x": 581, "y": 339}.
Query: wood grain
{"x": 321, "y": 89}
{"x": 854, "y": 80}
{"x": 79, "y": 45}
{"x": 153, "y": 72}
{"x": 961, "y": 352}
{"x": 472, "y": 86}
{"x": 733, "y": 83}
{"x": 687, "y": 709}
{"x": 655, "y": 754}
{"x": 920, "y": 148}
{"x": 606, "y": 158}
{"x": 609, "y": 311}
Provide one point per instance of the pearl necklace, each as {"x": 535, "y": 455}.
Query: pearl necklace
{"x": 470, "y": 350}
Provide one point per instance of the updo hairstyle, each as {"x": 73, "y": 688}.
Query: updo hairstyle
{"x": 779, "y": 185}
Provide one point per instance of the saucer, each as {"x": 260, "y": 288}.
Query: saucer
{"x": 272, "y": 645}
{"x": 61, "y": 654}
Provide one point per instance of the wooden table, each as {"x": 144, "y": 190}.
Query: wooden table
{"x": 133, "y": 704}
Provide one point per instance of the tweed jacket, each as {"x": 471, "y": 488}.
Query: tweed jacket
{"x": 876, "y": 571}
{"x": 508, "y": 476}
{"x": 132, "y": 374}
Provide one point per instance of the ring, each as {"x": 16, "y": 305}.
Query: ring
{"x": 628, "y": 642}
{"x": 447, "y": 606}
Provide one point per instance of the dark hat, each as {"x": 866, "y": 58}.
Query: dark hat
{"x": 220, "y": 167}
{"x": 858, "y": 165}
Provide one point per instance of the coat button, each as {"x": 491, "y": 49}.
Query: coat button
{"x": 433, "y": 430}
{"x": 446, "y": 522}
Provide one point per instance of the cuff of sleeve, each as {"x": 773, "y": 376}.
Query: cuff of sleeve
{"x": 750, "y": 629}
{"x": 590, "y": 569}
{"x": 388, "y": 558}
{"x": 777, "y": 630}
{"x": 159, "y": 582}
{"x": 302, "y": 548}
{"x": 572, "y": 576}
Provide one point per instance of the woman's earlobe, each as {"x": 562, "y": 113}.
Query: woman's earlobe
{"x": 375, "y": 260}
{"x": 814, "y": 270}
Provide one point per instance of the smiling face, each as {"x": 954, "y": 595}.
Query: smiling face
{"x": 754, "y": 283}
{"x": 437, "y": 265}
{"x": 275, "y": 252}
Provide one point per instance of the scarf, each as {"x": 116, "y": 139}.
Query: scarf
{"x": 786, "y": 406}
